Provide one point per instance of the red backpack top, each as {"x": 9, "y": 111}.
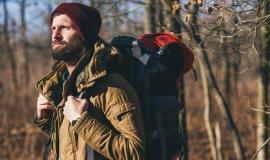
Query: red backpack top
{"x": 157, "y": 41}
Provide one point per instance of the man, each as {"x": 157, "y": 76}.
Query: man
{"x": 88, "y": 111}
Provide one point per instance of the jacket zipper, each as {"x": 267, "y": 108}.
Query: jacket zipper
{"x": 72, "y": 135}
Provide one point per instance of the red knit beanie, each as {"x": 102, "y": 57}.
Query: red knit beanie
{"x": 86, "y": 19}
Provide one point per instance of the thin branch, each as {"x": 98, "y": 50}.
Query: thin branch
{"x": 260, "y": 110}
{"x": 262, "y": 146}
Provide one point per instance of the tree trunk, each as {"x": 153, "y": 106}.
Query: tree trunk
{"x": 170, "y": 23}
{"x": 263, "y": 81}
{"x": 227, "y": 80}
{"x": 8, "y": 48}
{"x": 225, "y": 54}
{"x": 160, "y": 19}
{"x": 116, "y": 19}
{"x": 182, "y": 118}
{"x": 149, "y": 18}
{"x": 49, "y": 11}
{"x": 262, "y": 120}
{"x": 236, "y": 49}
{"x": 209, "y": 129}
{"x": 92, "y": 3}
{"x": 218, "y": 141}
{"x": 22, "y": 55}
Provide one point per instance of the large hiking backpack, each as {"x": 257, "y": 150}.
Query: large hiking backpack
{"x": 153, "y": 64}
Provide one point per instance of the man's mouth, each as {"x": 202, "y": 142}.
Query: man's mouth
{"x": 55, "y": 44}
{"x": 59, "y": 42}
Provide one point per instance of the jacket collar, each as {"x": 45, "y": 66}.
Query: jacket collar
{"x": 92, "y": 66}
{"x": 98, "y": 65}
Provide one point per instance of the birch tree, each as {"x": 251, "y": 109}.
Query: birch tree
{"x": 7, "y": 46}
{"x": 263, "y": 80}
{"x": 149, "y": 18}
{"x": 22, "y": 54}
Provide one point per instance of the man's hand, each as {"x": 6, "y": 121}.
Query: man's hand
{"x": 74, "y": 107}
{"x": 43, "y": 106}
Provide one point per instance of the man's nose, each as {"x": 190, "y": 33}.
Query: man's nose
{"x": 56, "y": 34}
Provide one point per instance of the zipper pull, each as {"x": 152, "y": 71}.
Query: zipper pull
{"x": 82, "y": 94}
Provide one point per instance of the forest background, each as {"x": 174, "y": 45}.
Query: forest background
{"x": 226, "y": 106}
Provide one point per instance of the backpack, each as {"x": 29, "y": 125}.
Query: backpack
{"x": 153, "y": 64}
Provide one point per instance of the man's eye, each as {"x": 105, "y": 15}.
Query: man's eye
{"x": 67, "y": 27}
{"x": 62, "y": 28}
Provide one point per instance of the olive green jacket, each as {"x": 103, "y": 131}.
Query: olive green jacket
{"x": 112, "y": 126}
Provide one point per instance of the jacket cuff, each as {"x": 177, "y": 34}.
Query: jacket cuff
{"x": 81, "y": 120}
{"x": 40, "y": 122}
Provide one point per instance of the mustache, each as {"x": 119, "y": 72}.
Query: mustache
{"x": 59, "y": 42}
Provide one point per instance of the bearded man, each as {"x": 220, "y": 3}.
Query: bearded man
{"x": 88, "y": 111}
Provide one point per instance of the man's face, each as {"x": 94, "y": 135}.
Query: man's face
{"x": 66, "y": 41}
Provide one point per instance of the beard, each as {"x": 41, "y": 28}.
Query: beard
{"x": 64, "y": 51}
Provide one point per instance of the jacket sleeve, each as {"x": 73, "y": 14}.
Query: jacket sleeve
{"x": 45, "y": 123}
{"x": 125, "y": 142}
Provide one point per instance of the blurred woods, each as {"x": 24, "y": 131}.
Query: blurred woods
{"x": 225, "y": 111}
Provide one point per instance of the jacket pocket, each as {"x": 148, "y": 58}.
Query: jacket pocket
{"x": 122, "y": 117}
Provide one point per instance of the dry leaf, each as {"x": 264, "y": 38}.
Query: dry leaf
{"x": 217, "y": 6}
{"x": 187, "y": 17}
{"x": 209, "y": 10}
{"x": 175, "y": 8}
{"x": 236, "y": 20}
{"x": 199, "y": 2}
{"x": 186, "y": 6}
